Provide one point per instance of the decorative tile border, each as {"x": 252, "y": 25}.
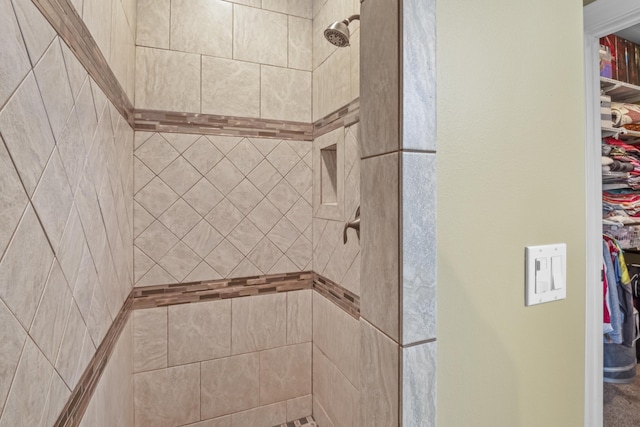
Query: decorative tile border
{"x": 74, "y": 410}
{"x": 346, "y": 300}
{"x": 302, "y": 422}
{"x": 183, "y": 293}
{"x": 64, "y": 18}
{"x": 345, "y": 116}
{"x": 210, "y": 124}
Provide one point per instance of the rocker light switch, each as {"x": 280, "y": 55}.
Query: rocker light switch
{"x": 545, "y": 273}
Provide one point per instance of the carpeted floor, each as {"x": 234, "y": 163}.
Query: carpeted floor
{"x": 622, "y": 404}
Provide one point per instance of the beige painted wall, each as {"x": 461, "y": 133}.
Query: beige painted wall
{"x": 510, "y": 174}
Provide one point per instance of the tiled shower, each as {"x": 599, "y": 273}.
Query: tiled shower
{"x": 176, "y": 263}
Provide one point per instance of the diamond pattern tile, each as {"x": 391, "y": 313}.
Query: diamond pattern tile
{"x": 180, "y": 175}
{"x": 300, "y": 252}
{"x": 156, "y": 197}
{"x": 13, "y": 199}
{"x": 180, "y": 141}
{"x": 141, "y": 219}
{"x": 300, "y": 177}
{"x": 245, "y": 196}
{"x": 264, "y": 255}
{"x": 203, "y": 155}
{"x": 156, "y": 276}
{"x": 203, "y": 238}
{"x": 283, "y": 196}
{"x": 225, "y": 176}
{"x": 245, "y": 269}
{"x": 265, "y": 177}
{"x": 180, "y": 218}
{"x": 265, "y": 216}
{"x": 156, "y": 241}
{"x": 180, "y": 261}
{"x": 301, "y": 148}
{"x": 245, "y": 156}
{"x": 300, "y": 214}
{"x": 224, "y": 258}
{"x": 203, "y": 197}
{"x": 201, "y": 273}
{"x": 283, "y": 158}
{"x": 283, "y": 234}
{"x": 224, "y": 217}
{"x": 224, "y": 143}
{"x": 245, "y": 236}
{"x": 156, "y": 153}
{"x": 265, "y": 145}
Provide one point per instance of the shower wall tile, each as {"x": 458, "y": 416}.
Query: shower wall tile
{"x": 337, "y": 334}
{"x": 260, "y": 36}
{"x": 13, "y": 337}
{"x": 285, "y": 373}
{"x": 299, "y": 317}
{"x": 150, "y": 339}
{"x": 300, "y": 42}
{"x": 230, "y": 87}
{"x": 333, "y": 391}
{"x": 167, "y": 80}
{"x": 36, "y": 31}
{"x": 259, "y": 323}
{"x": 379, "y": 402}
{"x": 380, "y": 240}
{"x": 418, "y": 247}
{"x": 168, "y": 397}
{"x": 355, "y": 64}
{"x": 153, "y": 23}
{"x": 236, "y": 205}
{"x": 12, "y": 198}
{"x": 263, "y": 416}
{"x": 296, "y": 408}
{"x": 301, "y": 8}
{"x": 379, "y": 65}
{"x": 96, "y": 15}
{"x": 199, "y": 332}
{"x": 332, "y": 83}
{"x": 285, "y": 94}
{"x": 202, "y": 26}
{"x": 16, "y": 65}
{"x": 419, "y": 385}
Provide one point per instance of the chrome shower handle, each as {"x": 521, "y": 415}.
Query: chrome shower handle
{"x": 355, "y": 224}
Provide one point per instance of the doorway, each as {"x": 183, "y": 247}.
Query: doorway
{"x": 601, "y": 18}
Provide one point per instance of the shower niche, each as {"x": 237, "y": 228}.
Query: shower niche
{"x": 328, "y": 175}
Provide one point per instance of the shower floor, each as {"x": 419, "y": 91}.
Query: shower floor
{"x": 302, "y": 422}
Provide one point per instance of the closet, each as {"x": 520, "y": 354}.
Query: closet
{"x": 620, "y": 132}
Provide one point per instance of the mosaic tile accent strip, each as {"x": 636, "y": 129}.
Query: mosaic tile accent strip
{"x": 346, "y": 300}
{"x": 302, "y": 422}
{"x": 209, "y": 124}
{"x": 165, "y": 295}
{"x": 72, "y": 414}
{"x": 344, "y": 117}
{"x": 69, "y": 25}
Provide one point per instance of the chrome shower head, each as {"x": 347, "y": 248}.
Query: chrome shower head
{"x": 338, "y": 33}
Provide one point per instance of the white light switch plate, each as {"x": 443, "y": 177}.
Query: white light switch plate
{"x": 545, "y": 273}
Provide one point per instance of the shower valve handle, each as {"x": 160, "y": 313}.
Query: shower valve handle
{"x": 355, "y": 224}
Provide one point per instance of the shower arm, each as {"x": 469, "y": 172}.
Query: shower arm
{"x": 351, "y": 18}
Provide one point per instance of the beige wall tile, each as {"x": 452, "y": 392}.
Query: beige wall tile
{"x": 299, "y": 407}
{"x": 12, "y": 198}
{"x": 96, "y": 14}
{"x": 180, "y": 218}
{"x": 302, "y": 8}
{"x": 379, "y": 398}
{"x": 217, "y": 422}
{"x": 58, "y": 395}
{"x": 285, "y": 94}
{"x": 158, "y": 404}
{"x": 16, "y": 66}
{"x": 199, "y": 331}
{"x": 27, "y": 261}
{"x": 149, "y": 339}
{"x": 354, "y": 41}
{"x": 156, "y": 197}
{"x": 334, "y": 392}
{"x": 230, "y": 385}
{"x": 332, "y": 84}
{"x": 179, "y": 261}
{"x": 258, "y": 323}
{"x": 299, "y": 316}
{"x": 285, "y": 373}
{"x": 26, "y": 132}
{"x": 28, "y": 395}
{"x": 230, "y": 87}
{"x": 156, "y": 241}
{"x": 167, "y": 80}
{"x": 337, "y": 334}
{"x": 12, "y": 336}
{"x": 263, "y": 416}
{"x": 71, "y": 358}
{"x": 300, "y": 43}
{"x": 260, "y": 36}
{"x": 35, "y": 29}
{"x": 379, "y": 297}
{"x": 202, "y": 26}
{"x": 320, "y": 415}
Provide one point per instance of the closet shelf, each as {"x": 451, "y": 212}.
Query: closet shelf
{"x": 620, "y": 91}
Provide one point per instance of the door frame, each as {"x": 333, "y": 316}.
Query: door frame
{"x": 601, "y": 18}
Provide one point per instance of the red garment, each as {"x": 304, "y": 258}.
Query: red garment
{"x": 607, "y": 316}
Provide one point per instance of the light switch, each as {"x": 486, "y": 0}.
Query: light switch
{"x": 545, "y": 273}
{"x": 557, "y": 280}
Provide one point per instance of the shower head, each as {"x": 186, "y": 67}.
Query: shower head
{"x": 338, "y": 33}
